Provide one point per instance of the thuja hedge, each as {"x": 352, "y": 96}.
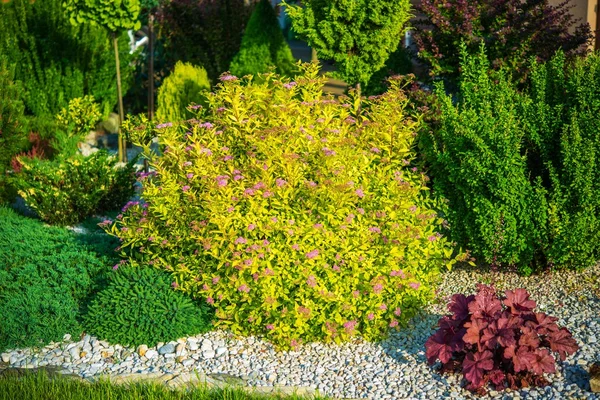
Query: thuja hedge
{"x": 520, "y": 168}
{"x": 298, "y": 217}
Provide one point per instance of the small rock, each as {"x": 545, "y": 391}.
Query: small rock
{"x": 5, "y": 357}
{"x": 67, "y": 337}
{"x": 180, "y": 349}
{"x": 75, "y": 352}
{"x": 150, "y": 354}
{"x": 142, "y": 349}
{"x": 188, "y": 362}
{"x": 208, "y": 354}
{"x": 83, "y": 354}
{"x": 180, "y": 359}
{"x": 166, "y": 349}
{"x": 221, "y": 351}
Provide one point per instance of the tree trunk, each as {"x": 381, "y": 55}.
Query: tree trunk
{"x": 313, "y": 56}
{"x": 122, "y": 143}
{"x": 151, "y": 67}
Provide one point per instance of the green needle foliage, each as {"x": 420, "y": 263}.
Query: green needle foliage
{"x": 139, "y": 306}
{"x": 359, "y": 35}
{"x": 263, "y": 45}
{"x": 180, "y": 89}
{"x": 46, "y": 275}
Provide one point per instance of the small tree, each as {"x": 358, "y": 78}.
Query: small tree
{"x": 512, "y": 31}
{"x": 263, "y": 45}
{"x": 115, "y": 16}
{"x": 359, "y": 35}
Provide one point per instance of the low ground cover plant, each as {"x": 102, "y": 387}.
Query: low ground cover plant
{"x": 139, "y": 306}
{"x": 46, "y": 276}
{"x": 298, "y": 217}
{"x": 499, "y": 340}
{"x": 519, "y": 167}
{"x": 66, "y": 191}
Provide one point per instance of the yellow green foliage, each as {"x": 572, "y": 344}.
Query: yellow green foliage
{"x": 298, "y": 216}
{"x": 180, "y": 89}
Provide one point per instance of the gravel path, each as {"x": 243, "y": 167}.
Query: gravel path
{"x": 393, "y": 369}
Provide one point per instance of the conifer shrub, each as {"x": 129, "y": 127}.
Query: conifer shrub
{"x": 179, "y": 90}
{"x": 498, "y": 340}
{"x": 263, "y": 45}
{"x": 46, "y": 277}
{"x": 139, "y": 306}
{"x": 13, "y": 132}
{"x": 299, "y": 217}
{"x": 56, "y": 61}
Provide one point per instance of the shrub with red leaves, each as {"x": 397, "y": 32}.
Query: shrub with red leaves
{"x": 498, "y": 340}
{"x": 512, "y": 30}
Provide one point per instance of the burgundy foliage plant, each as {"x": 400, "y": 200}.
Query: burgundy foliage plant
{"x": 499, "y": 340}
{"x": 513, "y": 31}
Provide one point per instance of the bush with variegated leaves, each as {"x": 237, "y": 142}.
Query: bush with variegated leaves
{"x": 299, "y": 217}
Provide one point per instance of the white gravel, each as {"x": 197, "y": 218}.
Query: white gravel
{"x": 393, "y": 369}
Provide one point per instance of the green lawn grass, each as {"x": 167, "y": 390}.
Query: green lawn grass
{"x": 38, "y": 386}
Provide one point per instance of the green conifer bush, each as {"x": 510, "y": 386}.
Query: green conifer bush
{"x": 179, "y": 90}
{"x": 298, "y": 217}
{"x": 263, "y": 45}
{"x": 139, "y": 306}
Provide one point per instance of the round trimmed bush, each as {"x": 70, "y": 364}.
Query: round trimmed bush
{"x": 299, "y": 217}
{"x": 139, "y": 306}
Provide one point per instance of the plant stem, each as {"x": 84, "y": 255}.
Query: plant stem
{"x": 122, "y": 144}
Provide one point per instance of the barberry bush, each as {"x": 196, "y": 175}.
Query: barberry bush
{"x": 518, "y": 167}
{"x": 513, "y": 31}
{"x": 499, "y": 340}
{"x": 298, "y": 216}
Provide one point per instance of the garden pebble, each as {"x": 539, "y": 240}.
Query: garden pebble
{"x": 396, "y": 368}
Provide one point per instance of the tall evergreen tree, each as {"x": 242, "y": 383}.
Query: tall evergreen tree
{"x": 263, "y": 45}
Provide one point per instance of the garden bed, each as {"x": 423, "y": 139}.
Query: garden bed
{"x": 393, "y": 369}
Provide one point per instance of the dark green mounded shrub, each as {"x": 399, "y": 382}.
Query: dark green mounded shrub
{"x": 13, "y": 133}
{"x": 477, "y": 162}
{"x": 139, "y": 306}
{"x": 263, "y": 45}
{"x": 519, "y": 168}
{"x": 66, "y": 191}
{"x": 183, "y": 87}
{"x": 46, "y": 276}
{"x": 56, "y": 61}
{"x": 562, "y": 125}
